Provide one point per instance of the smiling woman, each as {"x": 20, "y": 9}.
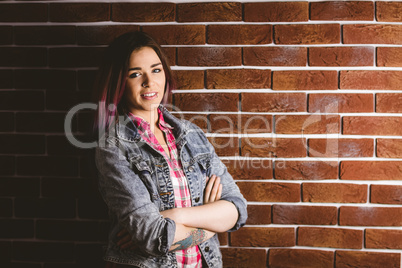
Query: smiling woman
{"x": 167, "y": 192}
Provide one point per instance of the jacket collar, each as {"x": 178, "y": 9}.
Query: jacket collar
{"x": 126, "y": 129}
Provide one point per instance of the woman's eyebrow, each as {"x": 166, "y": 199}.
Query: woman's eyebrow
{"x": 139, "y": 68}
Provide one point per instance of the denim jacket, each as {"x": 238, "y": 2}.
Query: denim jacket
{"x": 134, "y": 182}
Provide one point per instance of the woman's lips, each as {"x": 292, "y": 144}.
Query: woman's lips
{"x": 149, "y": 95}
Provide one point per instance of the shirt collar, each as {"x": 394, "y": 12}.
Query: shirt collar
{"x": 141, "y": 123}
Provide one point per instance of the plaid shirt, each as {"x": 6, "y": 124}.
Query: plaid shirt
{"x": 189, "y": 257}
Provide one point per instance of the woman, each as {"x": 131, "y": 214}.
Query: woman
{"x": 167, "y": 192}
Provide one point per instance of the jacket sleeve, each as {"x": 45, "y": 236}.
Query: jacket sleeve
{"x": 127, "y": 197}
{"x": 230, "y": 191}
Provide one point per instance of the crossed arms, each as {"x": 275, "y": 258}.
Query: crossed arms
{"x": 195, "y": 225}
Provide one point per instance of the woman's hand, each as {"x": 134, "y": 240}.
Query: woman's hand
{"x": 213, "y": 190}
{"x": 125, "y": 241}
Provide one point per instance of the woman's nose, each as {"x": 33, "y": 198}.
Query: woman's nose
{"x": 148, "y": 81}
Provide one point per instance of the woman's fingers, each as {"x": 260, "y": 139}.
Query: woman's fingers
{"x": 124, "y": 238}
{"x": 212, "y": 192}
{"x": 207, "y": 191}
{"x": 219, "y": 194}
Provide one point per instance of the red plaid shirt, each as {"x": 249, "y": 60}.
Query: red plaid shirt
{"x": 189, "y": 257}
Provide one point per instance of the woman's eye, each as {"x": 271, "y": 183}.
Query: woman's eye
{"x": 134, "y": 75}
{"x": 157, "y": 70}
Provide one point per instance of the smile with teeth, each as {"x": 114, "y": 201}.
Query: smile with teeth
{"x": 150, "y": 95}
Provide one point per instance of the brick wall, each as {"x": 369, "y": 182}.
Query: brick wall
{"x": 302, "y": 100}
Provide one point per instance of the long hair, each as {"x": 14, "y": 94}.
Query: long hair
{"x": 110, "y": 82}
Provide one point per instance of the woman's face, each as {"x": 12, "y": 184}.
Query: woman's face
{"x": 145, "y": 84}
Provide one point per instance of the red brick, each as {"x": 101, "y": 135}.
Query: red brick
{"x": 240, "y": 123}
{"x": 16, "y": 187}
{"x": 275, "y": 56}
{"x": 259, "y": 214}
{"x": 370, "y": 216}
{"x": 334, "y": 193}
{"x": 23, "y": 56}
{"x": 170, "y": 54}
{"x": 85, "y": 79}
{"x": 42, "y": 122}
{"x": 389, "y": 148}
{"x": 384, "y": 239}
{"x": 389, "y": 11}
{"x": 43, "y": 251}
{"x": 223, "y": 239}
{"x": 274, "y": 102}
{"x": 67, "y": 230}
{"x": 371, "y": 170}
{"x": 227, "y": 102}
{"x": 389, "y": 56}
{"x": 6, "y": 79}
{"x": 60, "y": 145}
{"x": 341, "y": 56}
{"x": 22, "y": 144}
{"x": 310, "y": 215}
{"x": 372, "y": 125}
{"x": 345, "y": 259}
{"x": 7, "y": 165}
{"x": 270, "y": 191}
{"x": 7, "y": 119}
{"x": 372, "y": 34}
{"x": 388, "y": 103}
{"x": 102, "y": 35}
{"x": 143, "y": 12}
{"x": 307, "y": 124}
{"x": 208, "y": 56}
{"x": 75, "y": 56}
{"x": 65, "y": 187}
{"x": 23, "y": 12}
{"x": 225, "y": 146}
{"x": 238, "y": 78}
{"x": 250, "y": 169}
{"x": 342, "y": 10}
{"x": 263, "y": 237}
{"x": 47, "y": 166}
{"x": 239, "y": 257}
{"x": 341, "y": 147}
{"x": 273, "y": 147}
{"x": 177, "y": 34}
{"x": 386, "y": 194}
{"x": 305, "y": 80}
{"x": 189, "y": 79}
{"x": 276, "y": 12}
{"x": 307, "y": 34}
{"x": 239, "y": 34}
{"x": 6, "y": 35}
{"x": 306, "y": 170}
{"x": 376, "y": 80}
{"x": 44, "y": 35}
{"x": 199, "y": 12}
{"x": 79, "y": 12}
{"x": 22, "y": 100}
{"x": 341, "y": 103}
{"x": 65, "y": 100}
{"x": 46, "y": 79}
{"x": 329, "y": 237}
{"x": 282, "y": 258}
{"x": 201, "y": 120}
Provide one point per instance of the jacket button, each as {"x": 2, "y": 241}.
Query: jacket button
{"x": 191, "y": 169}
{"x": 197, "y": 199}
{"x": 206, "y": 249}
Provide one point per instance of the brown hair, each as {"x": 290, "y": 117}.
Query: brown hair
{"x": 111, "y": 78}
